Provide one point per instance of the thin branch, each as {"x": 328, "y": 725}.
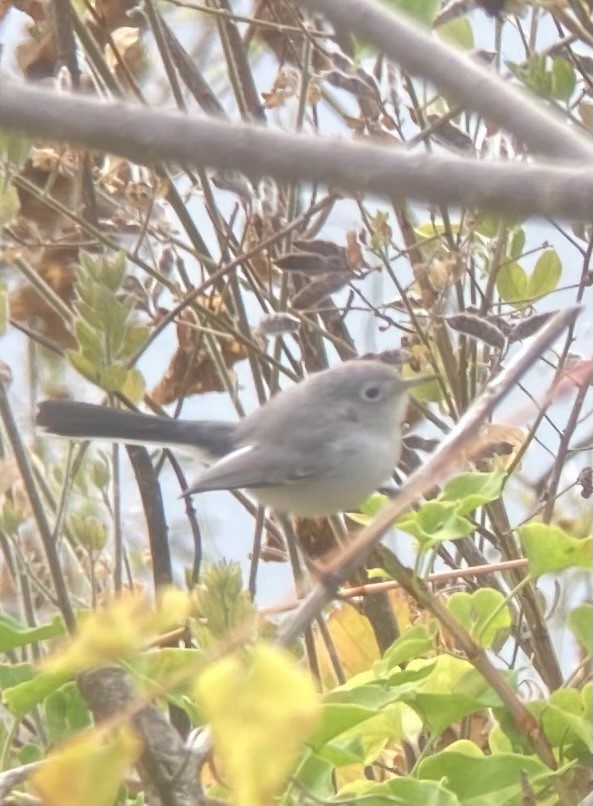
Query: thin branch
{"x": 439, "y": 466}
{"x": 49, "y": 545}
{"x": 166, "y": 770}
{"x": 559, "y": 464}
{"x": 456, "y": 74}
{"x": 146, "y": 136}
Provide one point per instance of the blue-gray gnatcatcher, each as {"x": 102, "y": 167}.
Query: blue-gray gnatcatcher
{"x": 319, "y": 447}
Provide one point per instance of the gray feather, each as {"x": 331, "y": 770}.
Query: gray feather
{"x": 87, "y": 421}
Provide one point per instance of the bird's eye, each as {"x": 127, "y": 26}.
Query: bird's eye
{"x": 371, "y": 392}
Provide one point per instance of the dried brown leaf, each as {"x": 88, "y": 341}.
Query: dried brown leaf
{"x": 308, "y": 263}
{"x": 529, "y": 326}
{"x": 354, "y": 256}
{"x": 478, "y": 328}
{"x": 37, "y": 55}
{"x": 316, "y": 292}
{"x": 191, "y": 370}
{"x": 320, "y": 247}
{"x": 56, "y": 267}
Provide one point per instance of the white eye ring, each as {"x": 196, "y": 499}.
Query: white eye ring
{"x": 371, "y": 393}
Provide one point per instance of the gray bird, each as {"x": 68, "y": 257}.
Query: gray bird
{"x": 316, "y": 448}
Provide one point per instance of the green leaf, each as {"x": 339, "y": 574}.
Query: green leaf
{"x": 20, "y": 699}
{"x": 457, "y": 32}
{"x": 564, "y": 719}
{"x": 134, "y": 386}
{"x": 100, "y": 473}
{"x": 534, "y": 74}
{"x": 498, "y": 741}
{"x": 415, "y": 642}
{"x": 479, "y": 780}
{"x": 83, "y": 365}
{"x": 587, "y": 697}
{"x": 350, "y": 705}
{"x": 134, "y": 338}
{"x": 549, "y": 548}
{"x": 66, "y": 713}
{"x": 491, "y": 225}
{"x": 473, "y": 490}
{"x": 435, "y": 522}
{"x": 316, "y": 775}
{"x": 88, "y": 314}
{"x": 369, "y": 508}
{"x": 88, "y": 531}
{"x": 221, "y": 602}
{"x": 90, "y": 341}
{"x": 516, "y": 243}
{"x": 113, "y": 314}
{"x": 114, "y": 271}
{"x": 512, "y": 283}
{"x": 11, "y": 516}
{"x": 483, "y": 613}
{"x": 403, "y": 791}
{"x": 563, "y": 79}
{"x": 160, "y": 668}
{"x": 337, "y": 718}
{"x": 430, "y": 229}
{"x": 451, "y": 691}
{"x": 423, "y": 11}
{"x": 539, "y": 78}
{"x": 89, "y": 267}
{"x": 377, "y": 573}
{"x": 12, "y": 674}
{"x": 85, "y": 288}
{"x": 362, "y": 743}
{"x": 580, "y": 621}
{"x": 112, "y": 378}
{"x": 545, "y": 276}
{"x": 165, "y": 665}
{"x": 14, "y": 635}
{"x": 30, "y": 753}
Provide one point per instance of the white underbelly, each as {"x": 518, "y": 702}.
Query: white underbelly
{"x": 343, "y": 490}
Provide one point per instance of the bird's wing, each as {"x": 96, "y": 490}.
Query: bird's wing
{"x": 252, "y": 467}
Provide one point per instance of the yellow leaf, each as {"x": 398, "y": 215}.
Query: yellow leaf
{"x": 174, "y": 607}
{"x": 354, "y": 641}
{"x": 119, "y": 630}
{"x": 261, "y": 707}
{"x": 87, "y": 770}
{"x": 134, "y": 386}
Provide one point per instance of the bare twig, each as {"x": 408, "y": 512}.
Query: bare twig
{"x": 439, "y": 466}
{"x": 47, "y": 539}
{"x": 168, "y": 773}
{"x": 455, "y": 73}
{"x": 147, "y": 136}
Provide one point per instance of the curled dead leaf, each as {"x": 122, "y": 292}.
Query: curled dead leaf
{"x": 257, "y": 230}
{"x": 495, "y": 442}
{"x": 191, "y": 370}
{"x": 55, "y": 265}
{"x": 286, "y": 85}
{"x": 284, "y": 43}
{"x": 129, "y": 51}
